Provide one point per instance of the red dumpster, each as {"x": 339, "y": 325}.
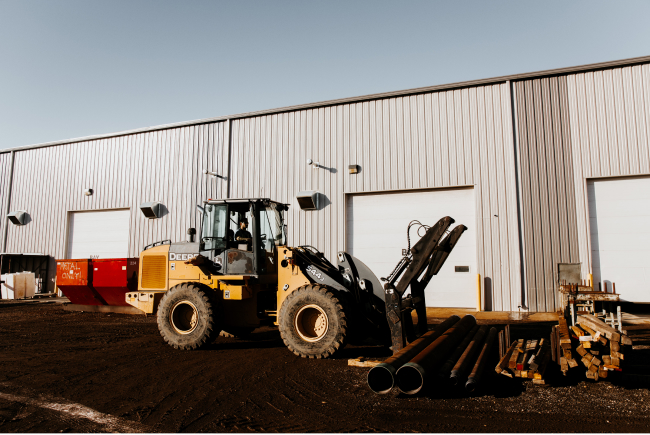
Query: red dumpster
{"x": 74, "y": 279}
{"x": 114, "y": 277}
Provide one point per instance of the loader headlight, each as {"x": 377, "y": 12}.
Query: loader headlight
{"x": 362, "y": 284}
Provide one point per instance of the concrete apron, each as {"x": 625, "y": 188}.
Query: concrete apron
{"x": 435, "y": 315}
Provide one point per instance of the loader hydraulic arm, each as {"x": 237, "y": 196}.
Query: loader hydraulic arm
{"x": 415, "y": 270}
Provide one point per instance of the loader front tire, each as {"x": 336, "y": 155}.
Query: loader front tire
{"x": 187, "y": 317}
{"x": 313, "y": 322}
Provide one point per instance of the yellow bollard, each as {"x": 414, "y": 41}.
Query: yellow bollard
{"x": 591, "y": 280}
{"x": 479, "y": 305}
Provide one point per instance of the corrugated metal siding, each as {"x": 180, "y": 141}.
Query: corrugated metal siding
{"x": 124, "y": 172}
{"x": 5, "y": 170}
{"x": 453, "y": 138}
{"x": 546, "y": 182}
{"x": 610, "y": 129}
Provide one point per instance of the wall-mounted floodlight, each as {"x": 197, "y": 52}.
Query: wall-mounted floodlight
{"x": 313, "y": 165}
{"x": 151, "y": 210}
{"x": 214, "y": 174}
{"x": 88, "y": 192}
{"x": 354, "y": 169}
{"x": 308, "y": 200}
{"x": 18, "y": 217}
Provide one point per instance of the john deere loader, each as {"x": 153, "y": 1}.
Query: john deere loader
{"x": 241, "y": 274}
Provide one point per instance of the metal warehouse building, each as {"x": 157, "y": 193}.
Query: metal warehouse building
{"x": 543, "y": 168}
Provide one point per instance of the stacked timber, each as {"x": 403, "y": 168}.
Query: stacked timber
{"x": 565, "y": 352}
{"x": 591, "y": 344}
{"x": 601, "y": 347}
{"x": 455, "y": 353}
{"x": 526, "y": 359}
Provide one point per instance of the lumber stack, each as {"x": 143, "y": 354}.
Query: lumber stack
{"x": 598, "y": 347}
{"x": 526, "y": 359}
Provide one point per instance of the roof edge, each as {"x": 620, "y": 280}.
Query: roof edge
{"x": 348, "y": 100}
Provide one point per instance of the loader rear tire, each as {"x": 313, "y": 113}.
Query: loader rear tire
{"x": 187, "y": 317}
{"x": 313, "y": 322}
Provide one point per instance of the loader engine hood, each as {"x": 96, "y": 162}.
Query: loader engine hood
{"x": 183, "y": 251}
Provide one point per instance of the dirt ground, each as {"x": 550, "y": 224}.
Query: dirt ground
{"x": 64, "y": 371}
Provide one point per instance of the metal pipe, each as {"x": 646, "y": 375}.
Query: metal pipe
{"x": 412, "y": 376}
{"x": 467, "y": 357}
{"x": 381, "y": 378}
{"x": 445, "y": 370}
{"x": 479, "y": 367}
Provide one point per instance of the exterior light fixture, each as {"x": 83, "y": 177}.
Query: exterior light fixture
{"x": 151, "y": 210}
{"x": 18, "y": 217}
{"x": 88, "y": 192}
{"x": 354, "y": 169}
{"x": 308, "y": 200}
{"x": 214, "y": 174}
{"x": 313, "y": 165}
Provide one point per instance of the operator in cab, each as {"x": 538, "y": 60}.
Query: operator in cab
{"x": 243, "y": 236}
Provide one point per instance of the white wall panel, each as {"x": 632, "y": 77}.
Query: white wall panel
{"x": 610, "y": 124}
{"x": 453, "y": 138}
{"x": 123, "y": 171}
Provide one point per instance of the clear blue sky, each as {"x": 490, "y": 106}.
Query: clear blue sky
{"x": 72, "y": 68}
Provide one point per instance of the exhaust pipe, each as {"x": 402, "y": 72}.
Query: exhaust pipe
{"x": 445, "y": 370}
{"x": 412, "y": 376}
{"x": 381, "y": 378}
{"x": 475, "y": 376}
{"x": 467, "y": 358}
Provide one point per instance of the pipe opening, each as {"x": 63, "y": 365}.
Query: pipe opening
{"x": 409, "y": 379}
{"x": 380, "y": 379}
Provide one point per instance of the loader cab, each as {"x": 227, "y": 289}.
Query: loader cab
{"x": 241, "y": 236}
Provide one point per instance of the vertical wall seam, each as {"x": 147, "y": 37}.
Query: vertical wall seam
{"x": 8, "y": 206}
{"x": 515, "y": 146}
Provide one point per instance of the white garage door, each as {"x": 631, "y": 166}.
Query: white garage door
{"x": 376, "y": 234}
{"x": 619, "y": 220}
{"x": 98, "y": 234}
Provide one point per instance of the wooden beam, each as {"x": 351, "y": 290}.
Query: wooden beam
{"x": 581, "y": 350}
{"x": 503, "y": 363}
{"x": 598, "y": 325}
{"x": 512, "y": 363}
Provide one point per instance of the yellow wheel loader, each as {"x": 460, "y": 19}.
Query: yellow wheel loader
{"x": 241, "y": 274}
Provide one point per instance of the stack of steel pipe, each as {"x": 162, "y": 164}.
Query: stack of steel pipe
{"x": 456, "y": 350}
{"x": 381, "y": 378}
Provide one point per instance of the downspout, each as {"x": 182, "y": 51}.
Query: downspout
{"x": 515, "y": 143}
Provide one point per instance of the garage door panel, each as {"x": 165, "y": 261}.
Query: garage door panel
{"x": 98, "y": 234}
{"x": 620, "y": 225}
{"x": 621, "y": 242}
{"x": 620, "y": 189}
{"x": 619, "y": 217}
{"x": 376, "y": 234}
{"x": 618, "y": 208}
